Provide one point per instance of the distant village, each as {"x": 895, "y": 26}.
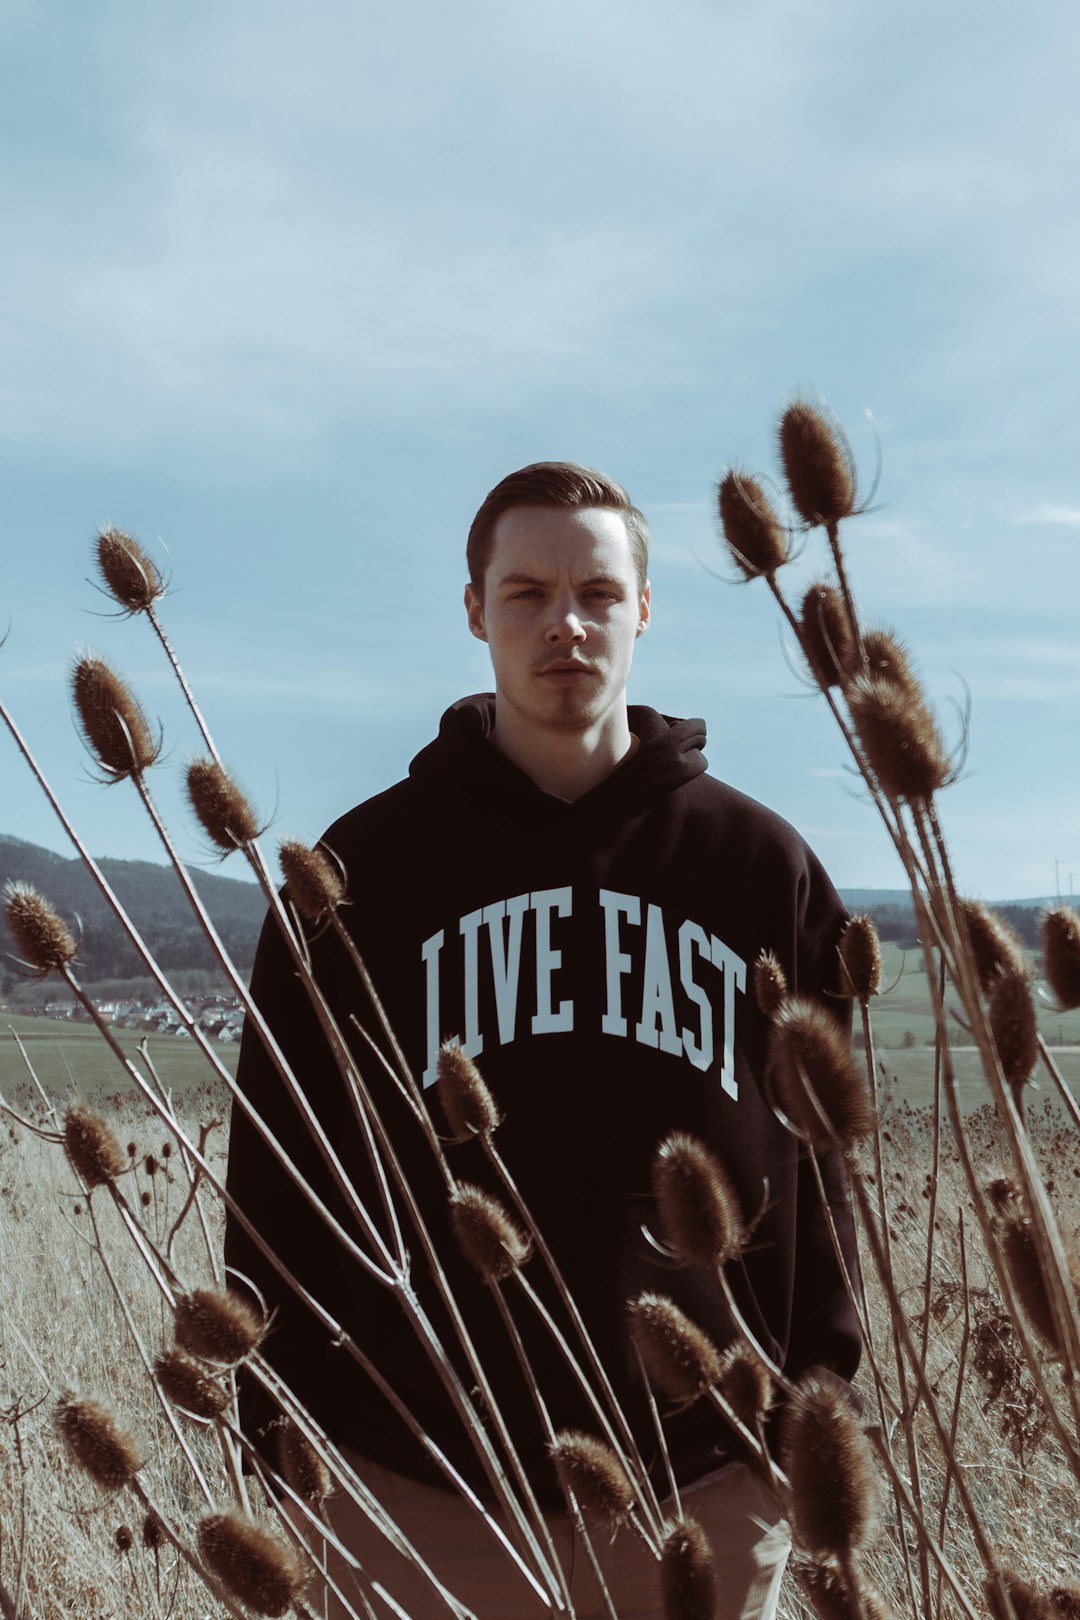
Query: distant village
{"x": 220, "y": 1016}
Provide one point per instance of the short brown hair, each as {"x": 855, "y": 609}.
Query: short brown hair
{"x": 554, "y": 483}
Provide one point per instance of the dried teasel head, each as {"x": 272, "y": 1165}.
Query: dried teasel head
{"x": 994, "y": 946}
{"x": 217, "y": 1324}
{"x": 754, "y": 534}
{"x": 1061, "y": 955}
{"x": 463, "y": 1094}
{"x": 834, "y": 1491}
{"x": 899, "y": 738}
{"x": 770, "y": 984}
{"x": 92, "y": 1150}
{"x": 300, "y": 1464}
{"x": 486, "y": 1235}
{"x": 123, "y": 1538}
{"x": 313, "y": 883}
{"x": 1028, "y": 1603}
{"x": 681, "y": 1360}
{"x": 817, "y": 465}
{"x": 697, "y": 1206}
{"x": 1020, "y": 1250}
{"x": 96, "y": 1442}
{"x": 152, "y": 1533}
{"x": 131, "y": 577}
{"x": 1012, "y": 1023}
{"x": 885, "y": 659}
{"x": 809, "y": 1057}
{"x": 744, "y": 1384}
{"x": 592, "y": 1472}
{"x": 112, "y": 721}
{"x": 251, "y": 1564}
{"x": 687, "y": 1573}
{"x": 860, "y": 958}
{"x": 831, "y": 1598}
{"x": 224, "y": 812}
{"x": 828, "y": 638}
{"x": 41, "y": 936}
{"x": 186, "y": 1384}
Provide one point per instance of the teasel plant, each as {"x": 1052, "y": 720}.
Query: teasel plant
{"x": 866, "y": 677}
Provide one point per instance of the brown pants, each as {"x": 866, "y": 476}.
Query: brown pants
{"x": 741, "y": 1517}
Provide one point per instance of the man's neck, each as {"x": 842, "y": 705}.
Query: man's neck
{"x": 565, "y": 764}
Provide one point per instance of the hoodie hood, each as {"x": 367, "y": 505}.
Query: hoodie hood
{"x": 670, "y": 754}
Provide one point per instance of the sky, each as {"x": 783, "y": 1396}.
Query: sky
{"x": 285, "y": 290}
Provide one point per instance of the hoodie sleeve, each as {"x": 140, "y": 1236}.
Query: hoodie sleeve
{"x": 296, "y": 1345}
{"x": 824, "y": 1328}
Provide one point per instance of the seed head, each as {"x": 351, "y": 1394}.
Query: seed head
{"x": 1061, "y": 955}
{"x": 301, "y": 1466}
{"x": 92, "y": 1149}
{"x": 1012, "y": 1023}
{"x": 591, "y": 1470}
{"x": 97, "y": 1442}
{"x": 486, "y": 1235}
{"x": 687, "y": 1573}
{"x": 124, "y": 1539}
{"x": 770, "y": 984}
{"x": 744, "y": 1384}
{"x": 314, "y": 884}
{"x": 1021, "y": 1253}
{"x": 899, "y": 737}
{"x": 250, "y": 1563}
{"x": 224, "y": 813}
{"x": 817, "y": 465}
{"x": 466, "y": 1101}
{"x": 187, "y": 1385}
{"x": 828, "y": 639}
{"x": 886, "y": 659}
{"x": 994, "y": 946}
{"x": 680, "y": 1359}
{"x": 131, "y": 577}
{"x": 41, "y": 937}
{"x": 217, "y": 1324}
{"x": 860, "y": 957}
{"x": 807, "y": 1053}
{"x": 834, "y": 1494}
{"x": 1028, "y": 1603}
{"x": 697, "y": 1205}
{"x": 111, "y": 720}
{"x": 152, "y": 1533}
{"x": 752, "y": 529}
{"x": 831, "y": 1598}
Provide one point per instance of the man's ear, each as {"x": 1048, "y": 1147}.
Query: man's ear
{"x": 474, "y": 607}
{"x": 644, "y": 609}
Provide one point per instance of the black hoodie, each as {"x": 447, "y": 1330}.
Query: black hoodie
{"x": 595, "y": 959}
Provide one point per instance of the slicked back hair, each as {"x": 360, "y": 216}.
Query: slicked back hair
{"x": 554, "y": 483}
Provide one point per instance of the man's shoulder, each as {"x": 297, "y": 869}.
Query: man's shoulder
{"x": 736, "y": 815}
{"x": 391, "y": 811}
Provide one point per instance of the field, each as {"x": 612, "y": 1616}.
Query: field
{"x": 63, "y": 1326}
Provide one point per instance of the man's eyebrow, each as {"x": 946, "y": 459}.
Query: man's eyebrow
{"x": 531, "y": 579}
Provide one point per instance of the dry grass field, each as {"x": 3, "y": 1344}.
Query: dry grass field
{"x": 61, "y": 1327}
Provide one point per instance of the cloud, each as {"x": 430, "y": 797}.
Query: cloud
{"x": 1066, "y": 516}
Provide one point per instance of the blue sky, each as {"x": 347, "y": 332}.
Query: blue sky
{"x": 286, "y": 290}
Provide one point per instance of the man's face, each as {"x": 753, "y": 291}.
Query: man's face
{"x": 561, "y": 611}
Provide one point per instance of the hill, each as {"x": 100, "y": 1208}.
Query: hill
{"x": 154, "y": 900}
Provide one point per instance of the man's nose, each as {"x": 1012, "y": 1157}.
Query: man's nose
{"x": 565, "y": 624}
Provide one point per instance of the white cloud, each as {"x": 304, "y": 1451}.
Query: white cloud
{"x": 1048, "y": 512}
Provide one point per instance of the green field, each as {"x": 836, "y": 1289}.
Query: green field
{"x": 69, "y": 1057}
{"x": 74, "y": 1057}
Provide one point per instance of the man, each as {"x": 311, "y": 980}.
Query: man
{"x": 559, "y": 887}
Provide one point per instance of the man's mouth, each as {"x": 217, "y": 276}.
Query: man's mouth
{"x": 567, "y": 666}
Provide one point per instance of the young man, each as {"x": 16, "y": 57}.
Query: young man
{"x": 559, "y": 887}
